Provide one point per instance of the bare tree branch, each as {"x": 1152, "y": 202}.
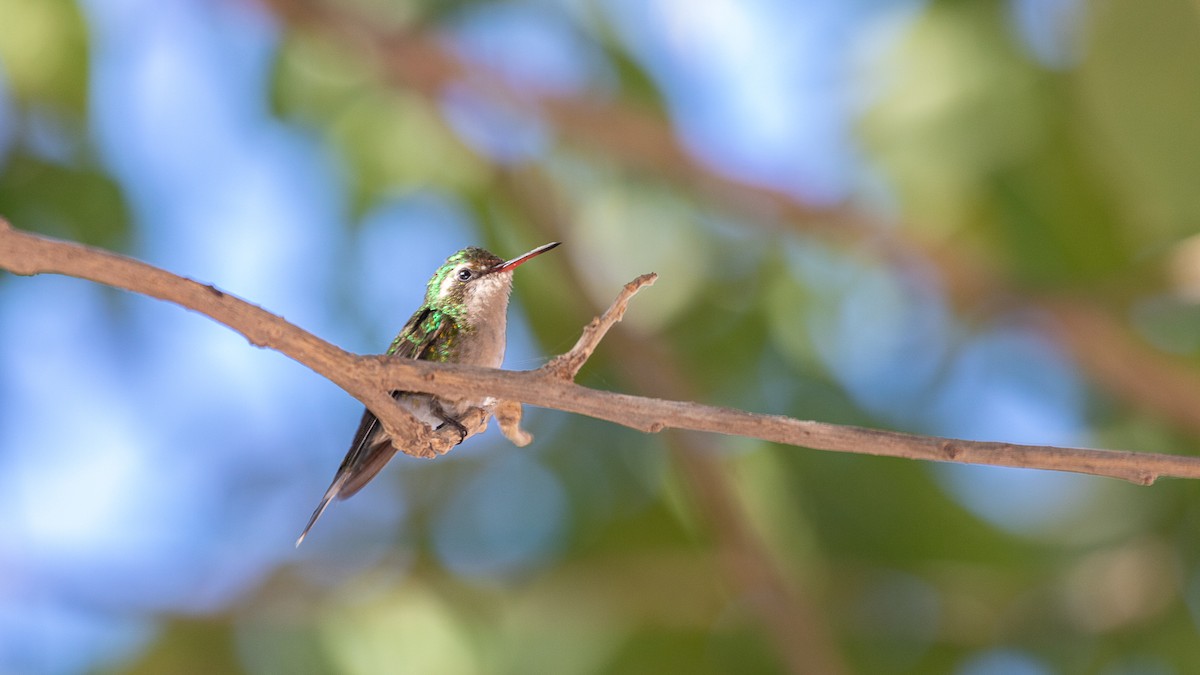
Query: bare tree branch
{"x": 566, "y": 366}
{"x": 370, "y": 378}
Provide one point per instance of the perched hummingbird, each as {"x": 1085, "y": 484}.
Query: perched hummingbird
{"x": 462, "y": 320}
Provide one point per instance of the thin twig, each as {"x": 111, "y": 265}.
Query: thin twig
{"x": 566, "y": 366}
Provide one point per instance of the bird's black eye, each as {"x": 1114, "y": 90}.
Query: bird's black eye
{"x": 464, "y": 274}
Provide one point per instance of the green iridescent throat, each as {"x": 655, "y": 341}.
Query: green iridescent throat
{"x": 443, "y": 316}
{"x": 477, "y": 259}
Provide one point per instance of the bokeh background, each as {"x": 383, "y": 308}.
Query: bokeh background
{"x": 973, "y": 219}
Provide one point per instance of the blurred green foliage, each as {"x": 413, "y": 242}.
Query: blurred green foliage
{"x": 1076, "y": 178}
{"x": 51, "y": 184}
{"x": 80, "y": 204}
{"x": 385, "y": 139}
{"x": 43, "y": 45}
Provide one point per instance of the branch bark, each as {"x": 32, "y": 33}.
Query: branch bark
{"x": 369, "y": 378}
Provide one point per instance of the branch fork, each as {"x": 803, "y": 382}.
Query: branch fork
{"x": 564, "y": 367}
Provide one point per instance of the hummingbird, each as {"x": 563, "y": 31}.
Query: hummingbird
{"x": 462, "y": 320}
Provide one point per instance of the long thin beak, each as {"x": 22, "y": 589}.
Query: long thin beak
{"x": 508, "y": 265}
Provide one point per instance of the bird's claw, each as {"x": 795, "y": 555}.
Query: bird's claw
{"x": 462, "y": 431}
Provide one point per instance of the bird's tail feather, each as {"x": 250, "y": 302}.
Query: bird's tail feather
{"x": 332, "y": 492}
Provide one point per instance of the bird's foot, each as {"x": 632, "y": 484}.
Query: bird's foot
{"x": 462, "y": 431}
{"x": 448, "y": 419}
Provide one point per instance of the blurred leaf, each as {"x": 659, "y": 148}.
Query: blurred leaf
{"x": 958, "y": 102}
{"x": 628, "y": 229}
{"x": 884, "y": 510}
{"x": 278, "y": 638}
{"x": 389, "y": 141}
{"x": 44, "y": 52}
{"x": 1140, "y": 89}
{"x": 978, "y": 136}
{"x": 392, "y": 142}
{"x": 190, "y": 647}
{"x": 1170, "y": 323}
{"x": 1056, "y": 217}
{"x": 313, "y": 78}
{"x": 663, "y": 651}
{"x": 637, "y": 85}
{"x": 78, "y": 204}
{"x": 411, "y": 632}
